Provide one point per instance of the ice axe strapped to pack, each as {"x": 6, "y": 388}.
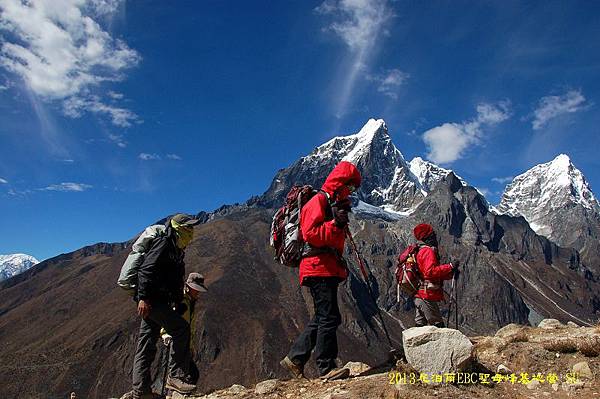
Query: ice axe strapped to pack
{"x": 365, "y": 271}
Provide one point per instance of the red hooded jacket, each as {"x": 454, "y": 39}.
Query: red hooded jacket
{"x": 319, "y": 232}
{"x": 433, "y": 273}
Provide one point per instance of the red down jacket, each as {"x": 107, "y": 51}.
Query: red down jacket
{"x": 320, "y": 231}
{"x": 433, "y": 273}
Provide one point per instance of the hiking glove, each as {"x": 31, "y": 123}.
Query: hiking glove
{"x": 340, "y": 213}
{"x": 341, "y": 217}
{"x": 455, "y": 270}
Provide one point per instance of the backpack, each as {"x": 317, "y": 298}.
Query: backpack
{"x": 128, "y": 276}
{"x": 408, "y": 277}
{"x": 286, "y": 237}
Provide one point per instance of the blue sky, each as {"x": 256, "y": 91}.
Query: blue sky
{"x": 116, "y": 113}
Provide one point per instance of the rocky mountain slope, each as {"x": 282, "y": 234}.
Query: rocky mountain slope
{"x": 556, "y": 200}
{"x": 554, "y": 361}
{"x": 13, "y": 264}
{"x": 86, "y": 326}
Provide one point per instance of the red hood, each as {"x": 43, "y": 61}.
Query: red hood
{"x": 344, "y": 173}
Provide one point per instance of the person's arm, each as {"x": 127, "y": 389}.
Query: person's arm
{"x": 430, "y": 267}
{"x": 315, "y": 230}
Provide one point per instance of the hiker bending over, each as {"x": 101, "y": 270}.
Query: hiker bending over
{"x": 194, "y": 285}
{"x": 160, "y": 279}
{"x": 431, "y": 290}
{"x": 323, "y": 223}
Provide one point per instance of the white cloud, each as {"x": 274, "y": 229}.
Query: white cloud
{"x": 3, "y": 181}
{"x": 74, "y": 106}
{"x": 174, "y": 157}
{"x": 148, "y": 157}
{"x": 358, "y": 23}
{"x": 503, "y": 180}
{"x": 78, "y": 187}
{"x": 118, "y": 140}
{"x": 62, "y": 53}
{"x": 448, "y": 142}
{"x": 389, "y": 82}
{"x": 115, "y": 95}
{"x": 550, "y": 107}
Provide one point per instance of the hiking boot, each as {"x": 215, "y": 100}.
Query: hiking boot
{"x": 138, "y": 395}
{"x": 128, "y": 395}
{"x": 295, "y": 370}
{"x": 179, "y": 385}
{"x": 336, "y": 374}
{"x": 149, "y": 395}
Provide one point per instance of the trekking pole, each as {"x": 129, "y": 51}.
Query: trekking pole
{"x": 168, "y": 356}
{"x": 363, "y": 270}
{"x": 456, "y": 306}
{"x": 450, "y": 303}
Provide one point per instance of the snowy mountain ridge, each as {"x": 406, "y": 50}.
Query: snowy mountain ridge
{"x": 545, "y": 190}
{"x": 396, "y": 186}
{"x": 13, "y": 264}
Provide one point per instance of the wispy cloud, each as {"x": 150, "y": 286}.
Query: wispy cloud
{"x": 157, "y": 157}
{"x": 149, "y": 157}
{"x": 388, "y": 83}
{"x": 78, "y": 187}
{"x": 122, "y": 117}
{"x": 448, "y": 142}
{"x": 551, "y": 107}
{"x": 502, "y": 180}
{"x": 63, "y": 54}
{"x": 118, "y": 140}
{"x": 358, "y": 23}
{"x": 3, "y": 181}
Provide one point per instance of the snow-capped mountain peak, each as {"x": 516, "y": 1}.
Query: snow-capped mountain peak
{"x": 389, "y": 182}
{"x": 429, "y": 174}
{"x": 546, "y": 191}
{"x": 13, "y": 264}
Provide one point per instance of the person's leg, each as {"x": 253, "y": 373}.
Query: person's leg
{"x": 179, "y": 329}
{"x": 301, "y": 349}
{"x": 326, "y": 349}
{"x": 144, "y": 355}
{"x": 434, "y": 316}
{"x": 420, "y": 319}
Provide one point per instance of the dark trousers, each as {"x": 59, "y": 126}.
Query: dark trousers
{"x": 321, "y": 333}
{"x": 160, "y": 315}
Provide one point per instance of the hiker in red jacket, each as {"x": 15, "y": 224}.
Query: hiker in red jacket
{"x": 431, "y": 290}
{"x": 323, "y": 222}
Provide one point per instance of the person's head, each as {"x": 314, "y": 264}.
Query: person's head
{"x": 195, "y": 285}
{"x": 343, "y": 180}
{"x": 184, "y": 228}
{"x": 424, "y": 232}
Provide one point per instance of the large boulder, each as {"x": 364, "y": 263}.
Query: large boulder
{"x": 435, "y": 350}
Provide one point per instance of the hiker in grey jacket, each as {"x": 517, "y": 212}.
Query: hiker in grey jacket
{"x": 160, "y": 272}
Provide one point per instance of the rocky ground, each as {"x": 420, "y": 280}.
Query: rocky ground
{"x": 552, "y": 360}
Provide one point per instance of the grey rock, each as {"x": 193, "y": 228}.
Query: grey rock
{"x": 356, "y": 368}
{"x": 550, "y": 324}
{"x": 582, "y": 369}
{"x": 265, "y": 387}
{"x": 508, "y": 330}
{"x": 437, "y": 350}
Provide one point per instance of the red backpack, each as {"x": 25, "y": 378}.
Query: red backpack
{"x": 286, "y": 237}
{"x": 408, "y": 277}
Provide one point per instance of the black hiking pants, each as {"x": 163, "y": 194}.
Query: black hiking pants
{"x": 321, "y": 333}
{"x": 163, "y": 315}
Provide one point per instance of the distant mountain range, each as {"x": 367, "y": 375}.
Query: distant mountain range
{"x": 13, "y": 264}
{"x": 86, "y": 326}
